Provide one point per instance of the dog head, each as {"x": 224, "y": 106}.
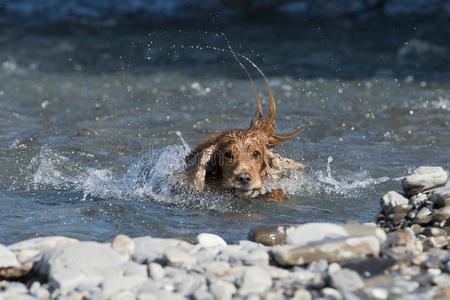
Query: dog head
{"x": 239, "y": 157}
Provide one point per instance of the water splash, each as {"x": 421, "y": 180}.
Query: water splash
{"x": 151, "y": 177}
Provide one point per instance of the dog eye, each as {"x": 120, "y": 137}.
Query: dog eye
{"x": 228, "y": 154}
{"x": 256, "y": 154}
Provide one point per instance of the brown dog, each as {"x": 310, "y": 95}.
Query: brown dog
{"x": 240, "y": 160}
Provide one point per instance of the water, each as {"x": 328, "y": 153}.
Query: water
{"x": 93, "y": 120}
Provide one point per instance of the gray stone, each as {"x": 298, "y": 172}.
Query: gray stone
{"x": 332, "y": 294}
{"x": 176, "y": 257}
{"x": 441, "y": 197}
{"x": 130, "y": 268}
{"x": 418, "y": 200}
{"x": 442, "y": 280}
{"x": 392, "y": 199}
{"x": 114, "y": 284}
{"x": 258, "y": 257}
{"x": 377, "y": 293}
{"x": 424, "y": 179}
{"x": 315, "y": 232}
{"x": 202, "y": 295}
{"x": 210, "y": 240}
{"x": 346, "y": 280}
{"x": 268, "y": 235}
{"x": 148, "y": 249}
{"x": 40, "y": 244}
{"x": 319, "y": 266}
{"x": 67, "y": 279}
{"x": 441, "y": 214}
{"x": 434, "y": 231}
{"x": 255, "y": 280}
{"x": 156, "y": 271}
{"x": 124, "y": 245}
{"x": 302, "y": 294}
{"x": 435, "y": 242}
{"x": 7, "y": 258}
{"x": 84, "y": 260}
{"x": 332, "y": 250}
{"x": 123, "y": 295}
{"x": 400, "y": 286}
{"x": 222, "y": 290}
{"x": 423, "y": 216}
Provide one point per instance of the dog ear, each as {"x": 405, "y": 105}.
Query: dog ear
{"x": 199, "y": 161}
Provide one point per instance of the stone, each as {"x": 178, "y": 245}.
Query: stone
{"x": 302, "y": 294}
{"x": 333, "y": 250}
{"x": 124, "y": 245}
{"x": 441, "y": 214}
{"x": 38, "y": 291}
{"x": 156, "y": 271}
{"x": 7, "y": 258}
{"x": 330, "y": 293}
{"x": 392, "y": 199}
{"x": 424, "y": 216}
{"x": 210, "y": 240}
{"x": 67, "y": 279}
{"x": 148, "y": 249}
{"x": 434, "y": 231}
{"x": 404, "y": 238}
{"x": 400, "y": 286}
{"x": 202, "y": 295}
{"x": 84, "y": 261}
{"x": 441, "y": 197}
{"x": 114, "y": 284}
{"x": 40, "y": 244}
{"x": 442, "y": 280}
{"x": 258, "y": 257}
{"x": 346, "y": 280}
{"x": 424, "y": 179}
{"x": 222, "y": 290}
{"x": 255, "y": 280}
{"x": 130, "y": 268}
{"x": 176, "y": 257}
{"x": 418, "y": 200}
{"x": 268, "y": 235}
{"x": 402, "y": 209}
{"x": 371, "y": 266}
{"x": 435, "y": 242}
{"x": 377, "y": 293}
{"x": 315, "y": 232}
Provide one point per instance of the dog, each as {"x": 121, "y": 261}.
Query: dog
{"x": 240, "y": 160}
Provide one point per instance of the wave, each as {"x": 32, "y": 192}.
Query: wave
{"x": 151, "y": 178}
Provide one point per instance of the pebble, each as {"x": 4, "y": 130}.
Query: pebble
{"x": 222, "y": 290}
{"x": 268, "y": 235}
{"x": 156, "y": 271}
{"x": 441, "y": 197}
{"x": 210, "y": 240}
{"x": 423, "y": 179}
{"x": 423, "y": 216}
{"x": 392, "y": 199}
{"x": 332, "y": 250}
{"x": 346, "y": 280}
{"x": 178, "y": 257}
{"x": 124, "y": 245}
{"x": 7, "y": 258}
{"x": 255, "y": 280}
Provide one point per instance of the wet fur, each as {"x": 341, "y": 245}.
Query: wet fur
{"x": 240, "y": 160}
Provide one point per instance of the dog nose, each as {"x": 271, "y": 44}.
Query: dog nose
{"x": 244, "y": 178}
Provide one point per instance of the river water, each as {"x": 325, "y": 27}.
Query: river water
{"x": 95, "y": 119}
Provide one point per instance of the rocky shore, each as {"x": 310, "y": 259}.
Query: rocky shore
{"x": 405, "y": 255}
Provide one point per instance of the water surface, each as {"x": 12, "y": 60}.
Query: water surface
{"x": 93, "y": 119}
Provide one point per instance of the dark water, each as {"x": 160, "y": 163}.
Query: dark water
{"x": 89, "y": 117}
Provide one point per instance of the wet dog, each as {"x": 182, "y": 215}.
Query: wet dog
{"x": 240, "y": 160}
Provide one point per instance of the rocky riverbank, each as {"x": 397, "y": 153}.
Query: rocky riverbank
{"x": 404, "y": 256}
